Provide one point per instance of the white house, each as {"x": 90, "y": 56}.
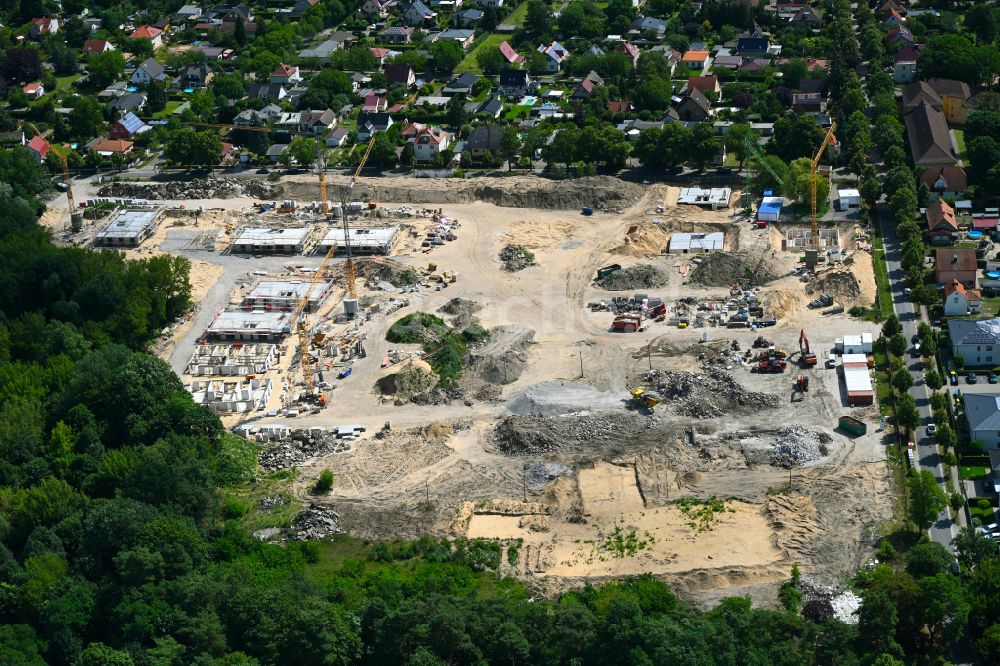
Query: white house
{"x": 417, "y": 13}
{"x": 556, "y": 53}
{"x": 959, "y": 301}
{"x": 151, "y": 33}
{"x": 982, "y": 411}
{"x": 495, "y": 4}
{"x": 429, "y": 142}
{"x": 148, "y": 71}
{"x": 285, "y": 74}
{"x": 977, "y": 341}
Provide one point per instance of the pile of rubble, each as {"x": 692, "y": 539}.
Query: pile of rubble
{"x": 515, "y": 258}
{"x": 641, "y": 276}
{"x": 789, "y": 446}
{"x": 300, "y": 446}
{"x": 532, "y": 435}
{"x": 722, "y": 269}
{"x": 269, "y": 503}
{"x": 315, "y": 523}
{"x": 209, "y": 188}
{"x": 709, "y": 395}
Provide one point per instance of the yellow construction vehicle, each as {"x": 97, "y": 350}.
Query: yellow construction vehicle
{"x": 643, "y": 398}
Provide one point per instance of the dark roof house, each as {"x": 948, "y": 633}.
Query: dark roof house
{"x": 930, "y": 142}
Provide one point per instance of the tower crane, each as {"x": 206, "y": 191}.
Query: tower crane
{"x": 299, "y": 312}
{"x": 60, "y": 154}
{"x": 814, "y": 240}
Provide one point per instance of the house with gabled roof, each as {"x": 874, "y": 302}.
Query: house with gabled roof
{"x": 892, "y": 19}
{"x": 149, "y": 70}
{"x": 708, "y": 85}
{"x": 806, "y": 16}
{"x": 694, "y": 107}
{"x": 399, "y": 73}
{"x": 97, "y": 46}
{"x": 959, "y": 301}
{"x": 149, "y": 32}
{"x": 942, "y": 226}
{"x": 418, "y": 14}
{"x": 982, "y": 413}
{"x": 33, "y": 90}
{"x": 696, "y": 60}
{"x": 270, "y": 91}
{"x": 956, "y": 264}
{"x": 511, "y": 56}
{"x": 377, "y": 8}
{"x": 39, "y": 147}
{"x": 467, "y": 18}
{"x": 429, "y": 142}
{"x": 586, "y": 87}
{"x": 898, "y": 34}
{"x": 374, "y": 103}
{"x": 904, "y": 67}
{"x": 43, "y": 26}
{"x": 930, "y": 141}
{"x": 370, "y": 124}
{"x": 946, "y": 181}
{"x": 108, "y": 147}
{"x": 954, "y": 95}
{"x": 127, "y": 127}
{"x": 396, "y": 34}
{"x": 555, "y": 53}
{"x": 460, "y": 85}
{"x": 285, "y": 74}
{"x": 977, "y": 341}
{"x": 630, "y": 51}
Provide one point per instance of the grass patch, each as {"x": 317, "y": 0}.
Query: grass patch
{"x": 701, "y": 513}
{"x": 63, "y": 81}
{"x": 884, "y": 304}
{"x": 517, "y": 16}
{"x": 469, "y": 63}
{"x": 171, "y": 106}
{"x": 982, "y": 513}
{"x": 249, "y": 495}
{"x": 960, "y": 142}
{"x": 417, "y": 328}
{"x": 991, "y": 306}
{"x": 973, "y": 471}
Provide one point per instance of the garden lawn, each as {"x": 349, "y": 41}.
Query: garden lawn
{"x": 517, "y": 16}
{"x": 469, "y": 63}
{"x": 972, "y": 472}
{"x": 63, "y": 81}
{"x": 168, "y": 109}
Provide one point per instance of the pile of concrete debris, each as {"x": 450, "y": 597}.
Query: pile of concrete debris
{"x": 315, "y": 523}
{"x": 533, "y": 435}
{"x": 789, "y": 446}
{"x": 722, "y": 269}
{"x": 210, "y": 188}
{"x": 300, "y": 446}
{"x": 515, "y": 258}
{"x": 709, "y": 395}
{"x": 269, "y": 503}
{"x": 641, "y": 276}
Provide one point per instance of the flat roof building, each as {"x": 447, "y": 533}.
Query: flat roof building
{"x": 129, "y": 227}
{"x": 684, "y": 243}
{"x": 366, "y": 240}
{"x": 266, "y": 240}
{"x": 250, "y": 326}
{"x": 715, "y": 198}
{"x": 770, "y": 209}
{"x": 858, "y": 380}
{"x": 227, "y": 360}
{"x": 231, "y": 397}
{"x": 284, "y": 295}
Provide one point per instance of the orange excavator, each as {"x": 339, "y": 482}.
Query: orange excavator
{"x": 806, "y": 354}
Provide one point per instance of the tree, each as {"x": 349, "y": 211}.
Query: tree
{"x": 927, "y": 499}
{"x": 85, "y": 121}
{"x": 99, "y": 654}
{"x": 666, "y": 147}
{"x": 737, "y": 137}
{"x": 447, "y": 53}
{"x": 156, "y": 97}
{"x": 324, "y": 483}
{"x": 945, "y": 436}
{"x": 799, "y": 184}
{"x": 510, "y": 144}
{"x": 140, "y": 48}
{"x": 907, "y": 415}
{"x": 192, "y": 148}
{"x": 877, "y": 621}
{"x": 63, "y": 59}
{"x": 705, "y": 146}
{"x": 795, "y": 136}
{"x": 988, "y": 645}
{"x": 105, "y": 68}
{"x": 933, "y": 380}
{"x": 23, "y": 65}
{"x": 383, "y": 153}
{"x": 928, "y": 559}
{"x": 654, "y": 94}
{"x": 943, "y": 608}
{"x": 902, "y": 205}
{"x": 972, "y": 547}
{"x": 304, "y": 150}
{"x": 491, "y": 61}
{"x": 537, "y": 19}
{"x": 902, "y": 380}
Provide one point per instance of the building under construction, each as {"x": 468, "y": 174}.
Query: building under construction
{"x": 271, "y": 240}
{"x": 232, "y": 360}
{"x": 801, "y": 239}
{"x": 253, "y": 326}
{"x": 285, "y": 295}
{"x": 364, "y": 240}
{"x": 231, "y": 397}
{"x": 129, "y": 227}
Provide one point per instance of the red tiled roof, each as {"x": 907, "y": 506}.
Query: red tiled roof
{"x": 284, "y": 70}
{"x": 970, "y": 294}
{"x": 39, "y": 145}
{"x": 95, "y": 46}
{"x": 706, "y": 84}
{"x": 941, "y": 215}
{"x": 509, "y": 54}
{"x": 146, "y": 32}
{"x": 111, "y": 146}
{"x": 985, "y": 223}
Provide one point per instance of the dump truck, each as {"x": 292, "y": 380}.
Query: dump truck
{"x": 627, "y": 323}
{"x": 642, "y": 398}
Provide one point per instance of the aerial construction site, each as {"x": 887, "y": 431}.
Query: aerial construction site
{"x": 607, "y": 378}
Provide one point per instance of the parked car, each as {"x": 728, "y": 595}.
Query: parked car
{"x": 931, "y": 429}
{"x": 915, "y": 339}
{"x": 263, "y": 170}
{"x": 971, "y": 378}
{"x": 953, "y": 378}
{"x": 907, "y": 291}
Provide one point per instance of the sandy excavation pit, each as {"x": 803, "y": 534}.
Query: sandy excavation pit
{"x": 481, "y": 461}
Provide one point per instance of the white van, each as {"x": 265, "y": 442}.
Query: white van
{"x": 831, "y": 361}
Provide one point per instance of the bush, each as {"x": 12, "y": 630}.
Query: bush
{"x": 324, "y": 483}
{"x": 886, "y": 552}
{"x": 233, "y": 508}
{"x": 417, "y": 328}
{"x": 475, "y": 333}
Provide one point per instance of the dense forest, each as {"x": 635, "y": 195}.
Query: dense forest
{"x": 118, "y": 545}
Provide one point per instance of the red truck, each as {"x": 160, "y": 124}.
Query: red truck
{"x": 627, "y": 323}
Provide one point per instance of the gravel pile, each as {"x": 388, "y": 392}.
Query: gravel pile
{"x": 709, "y": 395}
{"x": 298, "y": 448}
{"x": 554, "y": 398}
{"x": 531, "y": 435}
{"x": 516, "y": 258}
{"x": 790, "y": 446}
{"x": 315, "y": 523}
{"x": 642, "y": 276}
{"x": 538, "y": 474}
{"x": 721, "y": 269}
{"x": 213, "y": 188}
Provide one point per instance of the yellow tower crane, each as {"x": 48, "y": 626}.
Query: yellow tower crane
{"x": 814, "y": 239}
{"x": 60, "y": 154}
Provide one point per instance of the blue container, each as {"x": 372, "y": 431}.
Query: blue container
{"x": 975, "y": 235}
{"x": 344, "y": 374}
{"x": 993, "y": 275}
{"x": 588, "y": 211}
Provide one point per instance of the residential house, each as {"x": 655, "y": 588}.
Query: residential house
{"x": 904, "y": 66}
{"x": 337, "y": 137}
{"x": 516, "y": 83}
{"x": 400, "y": 74}
{"x": 429, "y": 142}
{"x": 708, "y": 85}
{"x": 977, "y": 341}
{"x": 133, "y": 102}
{"x": 381, "y": 55}
{"x": 698, "y": 61}
{"x": 730, "y": 62}
{"x": 187, "y": 14}
{"x": 987, "y": 225}
{"x": 370, "y": 124}
{"x": 148, "y": 71}
{"x": 491, "y": 108}
{"x": 411, "y": 130}
{"x": 899, "y": 35}
{"x": 129, "y": 126}
{"x": 586, "y": 87}
{"x": 275, "y": 151}
{"x": 467, "y": 18}
{"x": 806, "y": 17}
{"x": 982, "y": 413}
{"x": 377, "y": 8}
{"x": 39, "y": 147}
{"x": 948, "y": 181}
{"x": 418, "y": 14}
{"x": 753, "y": 44}
{"x": 649, "y": 27}
{"x": 111, "y": 147}
{"x": 323, "y": 51}
{"x": 630, "y": 51}
{"x": 33, "y": 90}
{"x": 620, "y": 107}
{"x": 285, "y": 74}
{"x": 942, "y": 227}
{"x": 511, "y": 56}
{"x": 397, "y": 34}
{"x": 97, "y": 46}
{"x": 893, "y": 19}
{"x": 956, "y": 264}
{"x": 889, "y": 6}
{"x": 920, "y": 92}
{"x": 43, "y": 26}
{"x": 486, "y": 4}
{"x": 374, "y": 103}
{"x": 274, "y": 92}
{"x": 301, "y": 7}
{"x": 930, "y": 142}
{"x": 959, "y": 301}
{"x": 954, "y": 96}
{"x": 461, "y": 85}
{"x": 196, "y": 76}
{"x": 810, "y": 102}
{"x": 694, "y": 107}
{"x": 464, "y": 36}
{"x": 485, "y": 138}
{"x": 151, "y": 33}
{"x": 317, "y": 122}
{"x": 555, "y": 54}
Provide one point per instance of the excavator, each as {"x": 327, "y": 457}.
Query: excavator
{"x": 800, "y": 386}
{"x": 805, "y": 353}
{"x": 643, "y": 398}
